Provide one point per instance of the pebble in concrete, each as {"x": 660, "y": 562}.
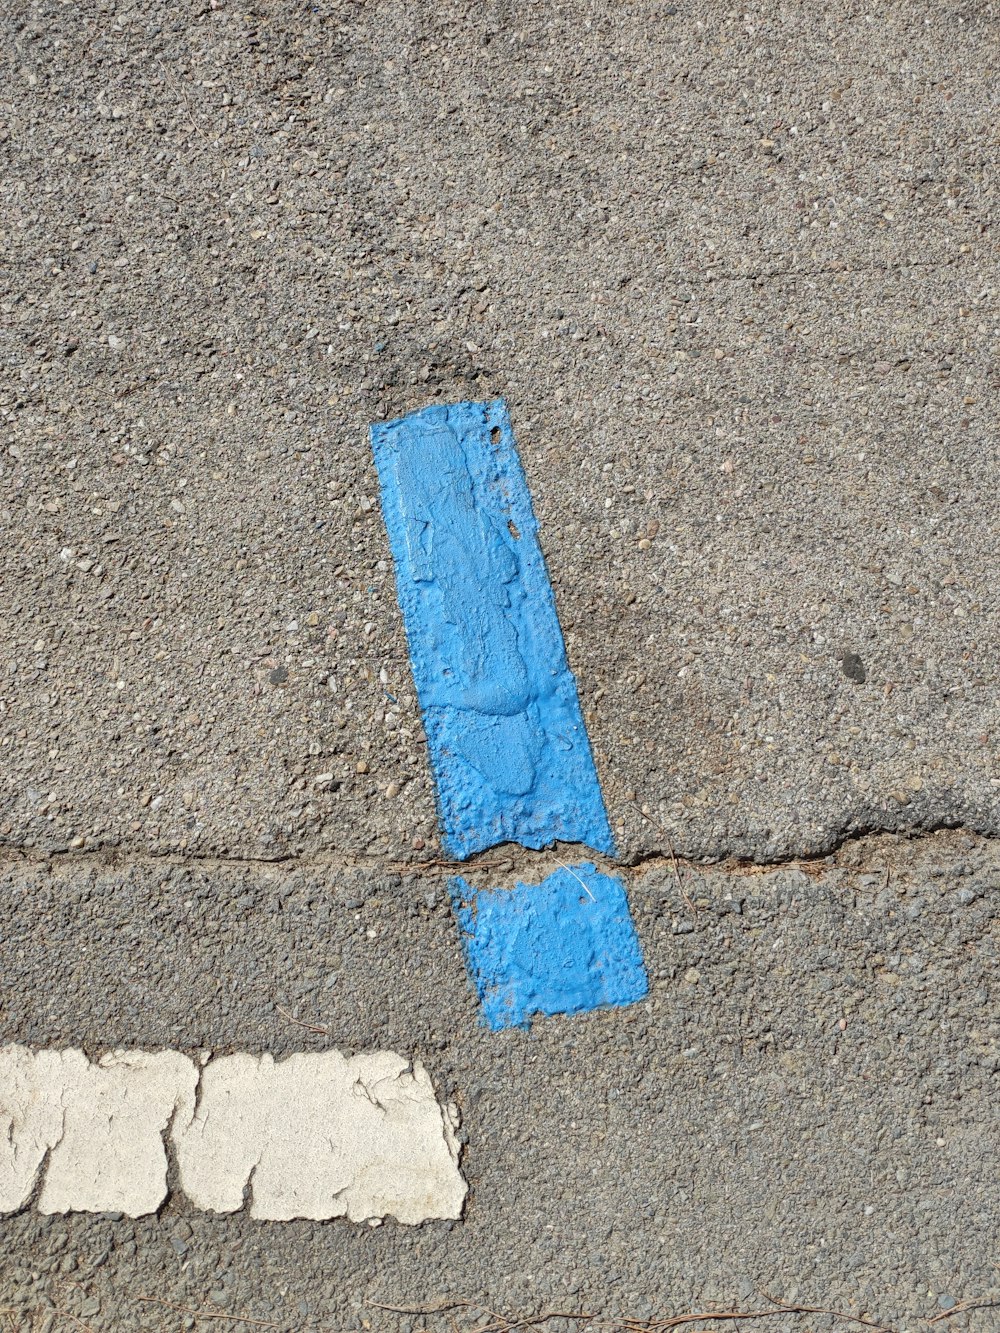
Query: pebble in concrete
{"x": 314, "y": 1136}
{"x": 320, "y": 1136}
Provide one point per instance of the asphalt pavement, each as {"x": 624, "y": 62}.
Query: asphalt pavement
{"x": 804, "y": 1106}
{"x": 734, "y": 273}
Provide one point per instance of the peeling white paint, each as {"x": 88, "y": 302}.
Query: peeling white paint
{"x": 111, "y": 1156}
{"x": 31, "y": 1115}
{"x": 319, "y": 1136}
{"x": 313, "y": 1136}
{"x": 102, "y": 1126}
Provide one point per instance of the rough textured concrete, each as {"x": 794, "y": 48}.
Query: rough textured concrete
{"x": 732, "y": 269}
{"x": 807, "y": 1102}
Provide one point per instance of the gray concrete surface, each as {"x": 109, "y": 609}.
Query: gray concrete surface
{"x": 807, "y": 1103}
{"x": 733, "y": 271}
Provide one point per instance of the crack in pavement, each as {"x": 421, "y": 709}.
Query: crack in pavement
{"x": 509, "y": 859}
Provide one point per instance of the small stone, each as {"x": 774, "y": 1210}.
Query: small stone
{"x": 278, "y": 676}
{"x": 418, "y": 844}
{"x": 361, "y": 766}
{"x": 853, "y": 668}
{"x": 392, "y": 790}
{"x": 947, "y": 1302}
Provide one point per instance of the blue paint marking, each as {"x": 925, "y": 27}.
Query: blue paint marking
{"x": 564, "y": 946}
{"x": 509, "y": 750}
{"x": 508, "y": 746}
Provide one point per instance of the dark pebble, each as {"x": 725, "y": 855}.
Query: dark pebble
{"x": 853, "y": 668}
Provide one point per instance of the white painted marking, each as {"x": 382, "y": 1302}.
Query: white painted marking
{"x": 102, "y": 1124}
{"x": 321, "y": 1136}
{"x": 111, "y": 1157}
{"x": 313, "y": 1136}
{"x": 31, "y": 1117}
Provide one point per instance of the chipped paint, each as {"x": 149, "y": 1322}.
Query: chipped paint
{"x": 564, "y": 946}
{"x": 314, "y": 1136}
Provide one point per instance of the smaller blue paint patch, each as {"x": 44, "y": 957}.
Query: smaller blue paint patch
{"x": 564, "y": 946}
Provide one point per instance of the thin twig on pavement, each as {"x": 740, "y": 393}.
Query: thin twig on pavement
{"x": 68, "y": 1314}
{"x": 673, "y": 861}
{"x": 816, "y": 1309}
{"x": 208, "y": 1314}
{"x": 309, "y": 1027}
{"x": 961, "y": 1307}
{"x": 624, "y": 1324}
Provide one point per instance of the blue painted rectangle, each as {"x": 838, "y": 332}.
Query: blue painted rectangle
{"x": 508, "y": 746}
{"x": 564, "y": 946}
